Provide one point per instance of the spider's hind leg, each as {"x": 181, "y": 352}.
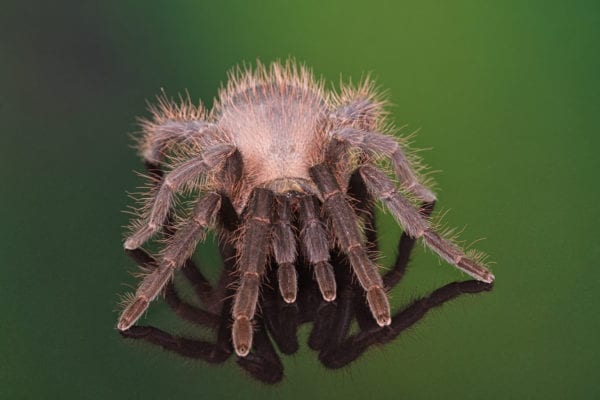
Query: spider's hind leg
{"x": 405, "y": 247}
{"x": 345, "y": 228}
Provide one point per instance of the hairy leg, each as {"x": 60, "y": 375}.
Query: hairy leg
{"x": 405, "y": 247}
{"x": 346, "y": 230}
{"x": 173, "y": 123}
{"x": 181, "y": 308}
{"x": 177, "y": 178}
{"x": 284, "y": 250}
{"x": 191, "y": 348}
{"x": 374, "y": 143}
{"x": 250, "y": 267}
{"x": 417, "y": 226}
{"x": 315, "y": 246}
{"x": 180, "y": 247}
{"x": 365, "y": 207}
{"x": 158, "y": 137}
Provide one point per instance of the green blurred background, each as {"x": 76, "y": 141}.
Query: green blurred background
{"x": 507, "y": 95}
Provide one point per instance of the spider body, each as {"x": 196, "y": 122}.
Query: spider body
{"x": 281, "y": 150}
{"x": 277, "y": 130}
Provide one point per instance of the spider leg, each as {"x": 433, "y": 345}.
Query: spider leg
{"x": 160, "y": 136}
{"x": 346, "y": 230}
{"x": 322, "y": 319}
{"x": 362, "y": 111}
{"x": 173, "y": 123}
{"x": 405, "y": 247}
{"x": 181, "y": 308}
{"x": 417, "y": 226}
{"x": 180, "y": 247}
{"x": 284, "y": 250}
{"x": 216, "y": 352}
{"x": 377, "y": 143}
{"x": 316, "y": 246}
{"x": 192, "y": 348}
{"x": 251, "y": 265}
{"x": 365, "y": 207}
{"x": 174, "y": 181}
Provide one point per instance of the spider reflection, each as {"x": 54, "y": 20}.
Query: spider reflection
{"x": 331, "y": 335}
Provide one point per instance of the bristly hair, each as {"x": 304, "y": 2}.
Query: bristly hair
{"x": 165, "y": 111}
{"x": 374, "y": 103}
{"x": 271, "y": 80}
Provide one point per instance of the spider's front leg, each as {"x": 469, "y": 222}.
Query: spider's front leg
{"x": 179, "y": 248}
{"x": 193, "y": 348}
{"x": 345, "y": 228}
{"x": 251, "y": 267}
{"x": 262, "y": 364}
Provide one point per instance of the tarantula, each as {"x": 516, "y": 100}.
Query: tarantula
{"x": 277, "y": 147}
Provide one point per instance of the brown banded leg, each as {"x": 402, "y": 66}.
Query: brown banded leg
{"x": 365, "y": 208}
{"x": 179, "y": 248}
{"x": 174, "y": 181}
{"x": 284, "y": 250}
{"x": 214, "y": 353}
{"x": 250, "y": 267}
{"x": 181, "y": 308}
{"x": 374, "y": 143}
{"x": 192, "y": 348}
{"x": 315, "y": 246}
{"x": 404, "y": 250}
{"x": 159, "y": 136}
{"x": 417, "y": 226}
{"x": 346, "y": 230}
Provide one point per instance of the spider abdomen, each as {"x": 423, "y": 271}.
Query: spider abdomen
{"x": 276, "y": 128}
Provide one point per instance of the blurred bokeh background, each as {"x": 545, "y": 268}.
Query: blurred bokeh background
{"x": 506, "y": 95}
